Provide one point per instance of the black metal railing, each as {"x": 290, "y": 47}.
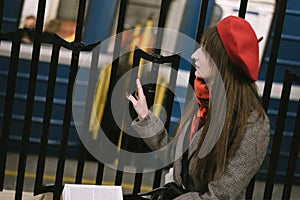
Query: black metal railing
{"x": 289, "y": 79}
{"x": 156, "y": 58}
{"x": 278, "y": 25}
{"x": 10, "y": 90}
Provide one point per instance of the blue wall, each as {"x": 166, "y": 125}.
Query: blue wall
{"x": 99, "y": 21}
{"x": 11, "y": 15}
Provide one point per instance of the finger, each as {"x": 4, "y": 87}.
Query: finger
{"x": 139, "y": 87}
{"x": 131, "y": 98}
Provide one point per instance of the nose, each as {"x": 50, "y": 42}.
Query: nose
{"x": 194, "y": 56}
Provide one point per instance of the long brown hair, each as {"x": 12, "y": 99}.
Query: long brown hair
{"x": 242, "y": 98}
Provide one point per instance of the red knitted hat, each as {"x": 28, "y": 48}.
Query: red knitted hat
{"x": 241, "y": 44}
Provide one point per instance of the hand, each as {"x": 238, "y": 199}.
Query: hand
{"x": 139, "y": 101}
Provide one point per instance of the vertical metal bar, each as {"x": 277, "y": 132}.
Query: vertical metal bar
{"x": 200, "y": 29}
{"x": 157, "y": 178}
{"x": 46, "y": 120}
{"x": 117, "y": 49}
{"x": 243, "y": 8}
{"x": 280, "y": 12}
{"x": 99, "y": 176}
{"x": 250, "y": 188}
{"x": 66, "y": 125}
{"x": 169, "y": 104}
{"x": 172, "y": 86}
{"x": 68, "y": 106}
{"x": 125, "y": 138}
{"x": 8, "y": 105}
{"x": 80, "y": 20}
{"x": 20, "y": 13}
{"x": 150, "y": 93}
{"x": 138, "y": 175}
{"x": 289, "y": 178}
{"x": 278, "y": 135}
{"x": 137, "y": 182}
{"x": 201, "y": 20}
{"x": 30, "y": 99}
{"x": 165, "y": 5}
{"x": 80, "y": 164}
{"x": 119, "y": 173}
{"x": 88, "y": 109}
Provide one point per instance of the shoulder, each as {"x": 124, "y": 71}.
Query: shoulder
{"x": 258, "y": 123}
{"x": 257, "y": 133}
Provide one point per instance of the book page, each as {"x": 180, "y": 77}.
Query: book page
{"x": 91, "y": 192}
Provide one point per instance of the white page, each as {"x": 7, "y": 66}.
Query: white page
{"x": 91, "y": 192}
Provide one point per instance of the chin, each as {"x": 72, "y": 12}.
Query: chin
{"x": 198, "y": 76}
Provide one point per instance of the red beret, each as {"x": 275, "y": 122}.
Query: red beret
{"x": 241, "y": 44}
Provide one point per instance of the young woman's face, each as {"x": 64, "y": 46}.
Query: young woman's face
{"x": 203, "y": 69}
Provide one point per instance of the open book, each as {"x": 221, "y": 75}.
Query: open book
{"x": 91, "y": 192}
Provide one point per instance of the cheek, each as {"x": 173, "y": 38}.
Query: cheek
{"x": 204, "y": 71}
{"x": 203, "y": 65}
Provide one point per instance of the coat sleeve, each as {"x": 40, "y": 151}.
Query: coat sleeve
{"x": 240, "y": 169}
{"x": 152, "y": 130}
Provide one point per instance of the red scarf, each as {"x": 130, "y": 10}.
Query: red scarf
{"x": 202, "y": 96}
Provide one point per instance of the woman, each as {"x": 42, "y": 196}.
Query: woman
{"x": 221, "y": 162}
